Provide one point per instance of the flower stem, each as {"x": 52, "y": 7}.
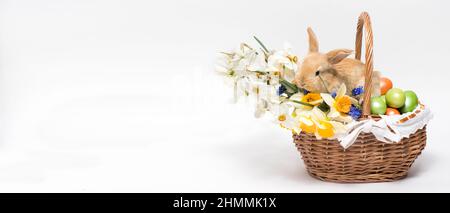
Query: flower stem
{"x": 262, "y": 45}
{"x": 292, "y": 87}
{"x": 302, "y": 103}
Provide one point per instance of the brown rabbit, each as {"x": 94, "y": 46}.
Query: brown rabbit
{"x": 326, "y": 72}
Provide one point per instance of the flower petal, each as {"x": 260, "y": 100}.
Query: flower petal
{"x": 333, "y": 113}
{"x": 328, "y": 99}
{"x": 289, "y": 75}
{"x": 302, "y": 112}
{"x": 297, "y": 96}
{"x": 316, "y": 102}
{"x": 344, "y": 118}
{"x": 318, "y": 114}
{"x": 342, "y": 90}
{"x": 261, "y": 108}
{"x": 354, "y": 101}
{"x": 338, "y": 127}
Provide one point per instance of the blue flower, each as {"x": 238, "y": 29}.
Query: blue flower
{"x": 355, "y": 112}
{"x": 281, "y": 90}
{"x": 333, "y": 94}
{"x": 358, "y": 91}
{"x": 305, "y": 92}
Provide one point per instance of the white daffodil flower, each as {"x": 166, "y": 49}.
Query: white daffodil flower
{"x": 297, "y": 97}
{"x": 266, "y": 100}
{"x": 225, "y": 66}
{"x": 244, "y": 57}
{"x": 261, "y": 108}
{"x": 339, "y": 128}
{"x": 283, "y": 62}
{"x": 286, "y": 117}
{"x": 340, "y": 105}
{"x": 257, "y": 63}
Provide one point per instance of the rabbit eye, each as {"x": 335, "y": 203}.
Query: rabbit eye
{"x": 317, "y": 72}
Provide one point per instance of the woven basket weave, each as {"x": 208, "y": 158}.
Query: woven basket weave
{"x": 367, "y": 160}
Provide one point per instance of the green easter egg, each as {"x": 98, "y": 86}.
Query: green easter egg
{"x": 395, "y": 98}
{"x": 411, "y": 102}
{"x": 377, "y": 106}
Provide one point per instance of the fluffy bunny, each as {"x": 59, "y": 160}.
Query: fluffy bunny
{"x": 326, "y": 72}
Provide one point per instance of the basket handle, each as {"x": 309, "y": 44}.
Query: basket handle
{"x": 364, "y": 22}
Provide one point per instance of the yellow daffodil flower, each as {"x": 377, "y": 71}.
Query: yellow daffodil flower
{"x": 312, "y": 98}
{"x": 316, "y": 122}
{"x": 340, "y": 105}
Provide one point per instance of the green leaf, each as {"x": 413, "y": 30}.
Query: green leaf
{"x": 324, "y": 107}
{"x": 262, "y": 45}
{"x": 292, "y": 88}
{"x": 302, "y": 103}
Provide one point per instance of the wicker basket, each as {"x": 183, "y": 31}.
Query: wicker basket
{"x": 367, "y": 160}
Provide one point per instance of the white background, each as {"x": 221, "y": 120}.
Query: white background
{"x": 120, "y": 95}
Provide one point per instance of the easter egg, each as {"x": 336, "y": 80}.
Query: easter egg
{"x": 392, "y": 111}
{"x": 395, "y": 98}
{"x": 377, "y": 106}
{"x": 385, "y": 85}
{"x": 411, "y": 102}
{"x": 384, "y": 98}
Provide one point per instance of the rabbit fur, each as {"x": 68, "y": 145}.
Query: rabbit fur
{"x": 321, "y": 72}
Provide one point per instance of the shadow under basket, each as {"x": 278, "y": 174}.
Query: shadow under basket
{"x": 367, "y": 160}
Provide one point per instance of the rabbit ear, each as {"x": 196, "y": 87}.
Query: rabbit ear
{"x": 336, "y": 56}
{"x": 313, "y": 43}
